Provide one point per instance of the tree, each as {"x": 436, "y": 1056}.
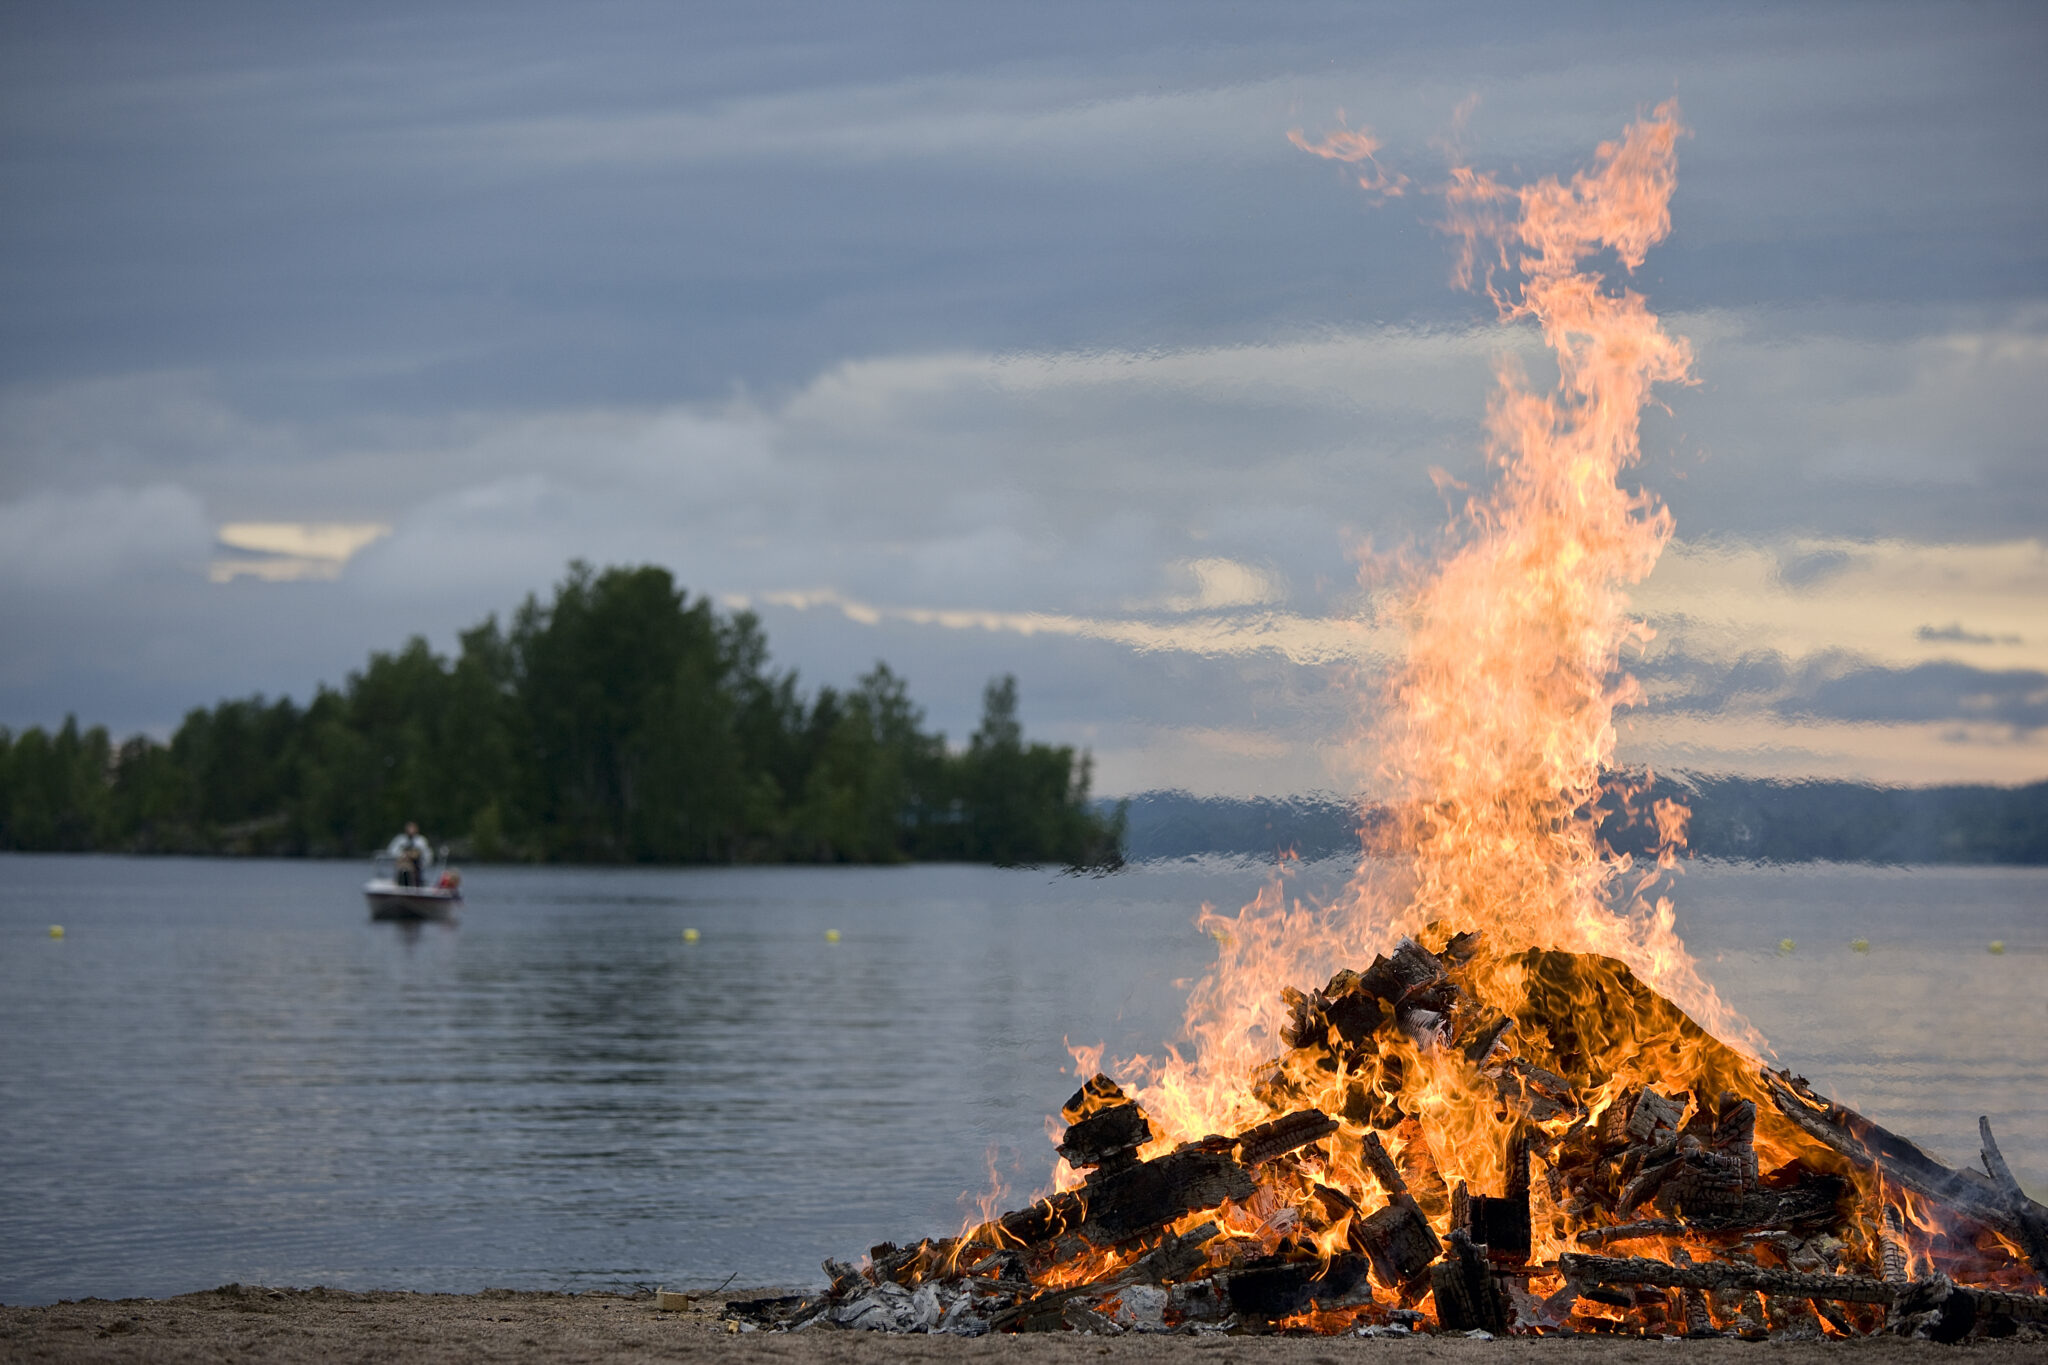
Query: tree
{"x": 632, "y": 753}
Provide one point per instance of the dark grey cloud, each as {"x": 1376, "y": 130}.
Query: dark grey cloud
{"x": 638, "y": 202}
{"x": 1936, "y": 691}
{"x": 1842, "y": 687}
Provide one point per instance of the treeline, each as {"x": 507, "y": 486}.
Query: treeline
{"x": 619, "y": 722}
{"x": 1759, "y": 819}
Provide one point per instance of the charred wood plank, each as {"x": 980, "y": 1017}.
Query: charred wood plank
{"x": 843, "y": 1278}
{"x": 1176, "y": 1258}
{"x": 1833, "y": 1316}
{"x": 1278, "y": 1291}
{"x": 1723, "y": 1275}
{"x": 1356, "y": 1016}
{"x": 1283, "y": 1135}
{"x": 1097, "y": 1092}
{"x": 1629, "y": 1232}
{"x": 1412, "y": 968}
{"x": 1106, "y": 1135}
{"x": 1484, "y": 1038}
{"x": 1891, "y": 1246}
{"x": 1519, "y": 1144}
{"x": 1939, "y": 1309}
{"x": 1704, "y": 1183}
{"x": 1383, "y": 1168}
{"x": 1870, "y": 1145}
{"x": 1342, "y": 1017}
{"x": 1398, "y": 1241}
{"x": 1041, "y": 1313}
{"x": 1466, "y": 1295}
{"x": 1119, "y": 1205}
{"x": 1153, "y": 1193}
{"x": 1500, "y": 1224}
{"x": 1538, "y": 1094}
{"x": 1698, "y": 1322}
{"x": 1041, "y": 1221}
{"x": 2031, "y": 1219}
{"x": 911, "y": 1266}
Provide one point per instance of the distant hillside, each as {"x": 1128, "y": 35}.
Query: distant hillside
{"x": 1733, "y": 817}
{"x": 1855, "y": 822}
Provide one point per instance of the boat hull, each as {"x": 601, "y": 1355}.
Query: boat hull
{"x": 390, "y": 901}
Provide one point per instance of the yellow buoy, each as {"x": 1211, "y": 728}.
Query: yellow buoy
{"x": 1998, "y": 947}
{"x": 56, "y": 931}
{"x": 831, "y": 936}
{"x": 690, "y": 936}
{"x": 1786, "y": 945}
{"x": 1859, "y": 945}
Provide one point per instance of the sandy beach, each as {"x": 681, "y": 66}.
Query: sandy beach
{"x": 253, "y": 1323}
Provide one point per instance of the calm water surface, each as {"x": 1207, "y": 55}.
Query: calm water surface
{"x": 224, "y": 1071}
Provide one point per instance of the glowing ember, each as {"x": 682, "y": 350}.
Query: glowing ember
{"x": 1508, "y": 1116}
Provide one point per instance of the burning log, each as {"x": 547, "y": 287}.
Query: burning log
{"x": 1132, "y": 1201}
{"x": 1108, "y": 1139}
{"x": 1868, "y": 1145}
{"x": 1398, "y": 1238}
{"x": 1955, "y": 1308}
{"x": 1499, "y": 1223}
{"x": 1629, "y": 1232}
{"x": 1256, "y": 1146}
{"x": 1722, "y": 1275}
{"x": 1399, "y": 1242}
{"x": 2030, "y": 1218}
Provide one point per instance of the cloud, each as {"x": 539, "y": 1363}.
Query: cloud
{"x": 61, "y": 543}
{"x": 291, "y": 551}
{"x": 1726, "y": 598}
{"x": 1953, "y": 633}
{"x": 1221, "y": 584}
{"x": 1298, "y": 639}
{"x": 1929, "y": 692}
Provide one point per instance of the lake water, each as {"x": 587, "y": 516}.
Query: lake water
{"x": 224, "y": 1071}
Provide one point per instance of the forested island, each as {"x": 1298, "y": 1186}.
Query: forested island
{"x": 621, "y": 721}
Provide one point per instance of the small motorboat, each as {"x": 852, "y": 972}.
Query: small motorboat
{"x": 426, "y": 895}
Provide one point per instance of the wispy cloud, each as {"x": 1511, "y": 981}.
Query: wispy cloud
{"x": 1954, "y": 634}
{"x": 1298, "y": 639}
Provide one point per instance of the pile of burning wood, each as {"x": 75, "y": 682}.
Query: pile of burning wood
{"x": 1648, "y": 1180}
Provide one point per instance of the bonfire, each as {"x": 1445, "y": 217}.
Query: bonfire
{"x": 1516, "y": 1106}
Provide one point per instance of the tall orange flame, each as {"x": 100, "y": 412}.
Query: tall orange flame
{"x": 1496, "y": 727}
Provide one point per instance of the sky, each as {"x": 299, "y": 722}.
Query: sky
{"x": 1009, "y": 339}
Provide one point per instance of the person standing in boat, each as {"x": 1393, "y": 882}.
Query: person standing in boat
{"x": 410, "y": 855}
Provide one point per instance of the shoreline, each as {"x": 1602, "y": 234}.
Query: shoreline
{"x": 318, "y": 1324}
